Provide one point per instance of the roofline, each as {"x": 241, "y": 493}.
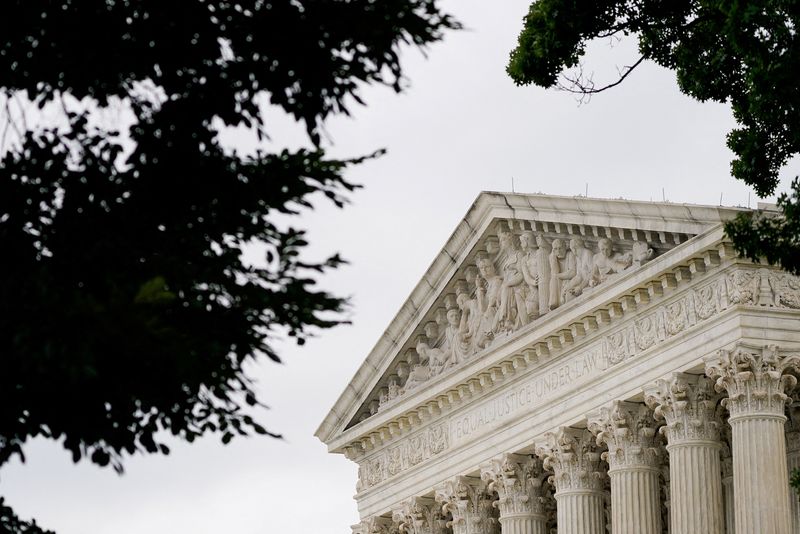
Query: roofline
{"x": 641, "y": 215}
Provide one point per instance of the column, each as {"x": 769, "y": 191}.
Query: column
{"x": 793, "y": 458}
{"x": 688, "y": 403}
{"x": 579, "y": 476}
{"x": 469, "y": 503}
{"x": 419, "y": 516}
{"x": 519, "y": 482}
{"x": 629, "y": 431}
{"x": 755, "y": 382}
{"x": 726, "y": 459}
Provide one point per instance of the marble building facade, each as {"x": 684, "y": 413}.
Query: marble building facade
{"x": 581, "y": 366}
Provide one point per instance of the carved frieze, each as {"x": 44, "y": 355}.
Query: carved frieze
{"x": 406, "y": 454}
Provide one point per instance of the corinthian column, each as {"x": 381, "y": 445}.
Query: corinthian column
{"x": 726, "y": 459}
{"x": 579, "y": 476}
{"x": 793, "y": 460}
{"x": 688, "y": 403}
{"x": 419, "y": 516}
{"x": 629, "y": 431}
{"x": 756, "y": 384}
{"x": 518, "y": 481}
{"x": 469, "y": 503}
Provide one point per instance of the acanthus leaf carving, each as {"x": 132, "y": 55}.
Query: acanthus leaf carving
{"x": 754, "y": 378}
{"x": 519, "y": 482}
{"x": 629, "y": 431}
{"x": 688, "y": 404}
{"x": 575, "y": 459}
{"x": 419, "y": 516}
{"x": 469, "y": 503}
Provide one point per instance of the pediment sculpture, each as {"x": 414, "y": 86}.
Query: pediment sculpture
{"x": 518, "y": 276}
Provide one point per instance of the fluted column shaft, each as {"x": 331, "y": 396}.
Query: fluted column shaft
{"x": 695, "y": 488}
{"x": 756, "y": 380}
{"x": 793, "y": 462}
{"x": 760, "y": 475}
{"x": 580, "y": 512}
{"x": 523, "y": 524}
{"x": 727, "y": 489}
{"x": 635, "y": 505}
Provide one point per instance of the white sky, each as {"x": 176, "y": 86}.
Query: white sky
{"x": 462, "y": 127}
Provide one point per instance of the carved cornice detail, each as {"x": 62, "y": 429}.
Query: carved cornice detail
{"x": 629, "y": 431}
{"x": 688, "y": 404}
{"x": 575, "y": 459}
{"x": 419, "y": 516}
{"x": 754, "y": 378}
{"x": 518, "y": 481}
{"x": 470, "y": 504}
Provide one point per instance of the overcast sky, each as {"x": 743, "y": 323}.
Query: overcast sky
{"x": 460, "y": 128}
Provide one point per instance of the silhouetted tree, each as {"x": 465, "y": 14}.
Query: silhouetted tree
{"x": 127, "y": 310}
{"x": 743, "y": 53}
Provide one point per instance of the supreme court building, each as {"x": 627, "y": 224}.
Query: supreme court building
{"x": 580, "y": 366}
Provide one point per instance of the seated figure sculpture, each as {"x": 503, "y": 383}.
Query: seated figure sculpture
{"x": 606, "y": 264}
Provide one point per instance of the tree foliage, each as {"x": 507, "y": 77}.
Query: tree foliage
{"x": 746, "y": 54}
{"x": 127, "y": 308}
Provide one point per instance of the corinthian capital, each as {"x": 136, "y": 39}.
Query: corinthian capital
{"x": 629, "y": 431}
{"x": 688, "y": 403}
{"x": 754, "y": 378}
{"x": 518, "y": 481}
{"x": 375, "y": 525}
{"x": 419, "y": 516}
{"x": 575, "y": 459}
{"x": 469, "y": 503}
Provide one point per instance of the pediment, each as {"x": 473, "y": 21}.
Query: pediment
{"x": 512, "y": 260}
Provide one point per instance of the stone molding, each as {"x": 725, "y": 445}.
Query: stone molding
{"x": 688, "y": 404}
{"x": 629, "y": 431}
{"x": 520, "y": 483}
{"x": 755, "y": 379}
{"x": 575, "y": 459}
{"x": 469, "y": 503}
{"x": 623, "y": 334}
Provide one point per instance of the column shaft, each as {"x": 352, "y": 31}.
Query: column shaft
{"x": 793, "y": 461}
{"x": 695, "y": 488}
{"x": 524, "y": 524}
{"x": 635, "y": 506}
{"x": 580, "y": 512}
{"x": 727, "y": 488}
{"x": 760, "y": 479}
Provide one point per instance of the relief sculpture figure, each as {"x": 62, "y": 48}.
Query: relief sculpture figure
{"x": 562, "y": 269}
{"x": 455, "y": 343}
{"x": 530, "y": 272}
{"x": 583, "y": 270}
{"x": 543, "y": 264}
{"x": 489, "y": 287}
{"x": 511, "y": 310}
{"x": 607, "y": 264}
